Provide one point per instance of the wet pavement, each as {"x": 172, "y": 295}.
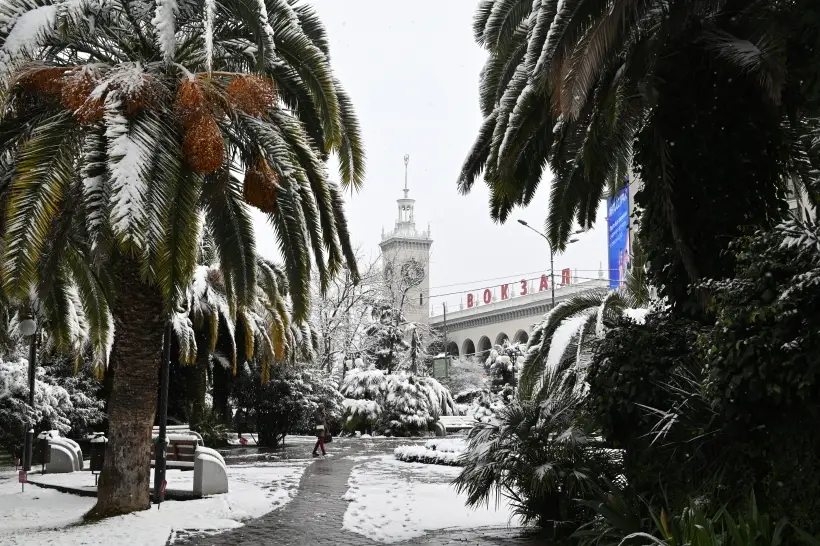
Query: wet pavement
{"x": 315, "y": 516}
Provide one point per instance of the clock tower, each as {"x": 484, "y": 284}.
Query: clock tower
{"x": 406, "y": 259}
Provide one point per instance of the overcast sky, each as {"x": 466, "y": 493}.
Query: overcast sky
{"x": 412, "y": 71}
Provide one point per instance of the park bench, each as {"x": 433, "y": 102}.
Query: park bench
{"x": 181, "y": 451}
{"x": 186, "y": 452}
{"x": 456, "y": 422}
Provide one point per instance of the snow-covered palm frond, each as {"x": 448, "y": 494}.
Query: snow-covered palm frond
{"x": 129, "y": 150}
{"x": 562, "y": 84}
{"x": 368, "y": 411}
{"x": 407, "y": 403}
{"x": 560, "y": 343}
{"x": 143, "y": 146}
{"x": 164, "y": 22}
{"x": 186, "y": 337}
{"x": 440, "y": 397}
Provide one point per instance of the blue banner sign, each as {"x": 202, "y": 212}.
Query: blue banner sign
{"x": 618, "y": 229}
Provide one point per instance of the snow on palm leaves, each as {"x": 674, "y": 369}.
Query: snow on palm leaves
{"x": 151, "y": 137}
{"x": 363, "y": 389}
{"x": 558, "y": 349}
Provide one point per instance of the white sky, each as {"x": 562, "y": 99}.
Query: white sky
{"x": 412, "y": 71}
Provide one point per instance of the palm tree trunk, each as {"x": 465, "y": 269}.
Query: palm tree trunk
{"x": 199, "y": 384}
{"x": 125, "y": 477}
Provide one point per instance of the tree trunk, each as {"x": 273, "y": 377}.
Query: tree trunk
{"x": 125, "y": 477}
{"x": 222, "y": 390}
{"x": 199, "y": 383}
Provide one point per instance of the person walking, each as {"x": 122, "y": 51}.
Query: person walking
{"x": 321, "y": 430}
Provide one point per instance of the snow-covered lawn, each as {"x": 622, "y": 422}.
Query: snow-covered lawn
{"x": 393, "y": 501}
{"x": 44, "y": 516}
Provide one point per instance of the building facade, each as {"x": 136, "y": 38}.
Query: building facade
{"x": 474, "y": 331}
{"x": 406, "y": 260}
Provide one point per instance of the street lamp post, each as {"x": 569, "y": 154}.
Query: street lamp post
{"x": 552, "y": 255}
{"x": 28, "y": 328}
{"x": 161, "y": 453}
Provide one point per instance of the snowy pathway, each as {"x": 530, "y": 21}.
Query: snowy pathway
{"x": 361, "y": 496}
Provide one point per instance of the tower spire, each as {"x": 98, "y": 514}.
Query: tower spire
{"x": 406, "y": 163}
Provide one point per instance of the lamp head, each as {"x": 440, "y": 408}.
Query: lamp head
{"x": 28, "y": 326}
{"x": 573, "y": 240}
{"x": 522, "y": 222}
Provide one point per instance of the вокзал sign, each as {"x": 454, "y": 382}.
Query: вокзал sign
{"x": 526, "y": 287}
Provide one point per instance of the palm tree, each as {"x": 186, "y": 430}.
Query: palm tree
{"x": 558, "y": 459}
{"x": 562, "y": 339}
{"x": 541, "y": 455}
{"x": 147, "y": 111}
{"x": 69, "y": 300}
{"x": 263, "y": 326}
{"x": 570, "y": 83}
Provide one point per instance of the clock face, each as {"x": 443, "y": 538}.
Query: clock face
{"x": 412, "y": 272}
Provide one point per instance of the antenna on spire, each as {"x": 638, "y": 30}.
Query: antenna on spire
{"x": 406, "y": 163}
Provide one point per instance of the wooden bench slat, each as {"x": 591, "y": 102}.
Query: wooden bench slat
{"x": 180, "y": 451}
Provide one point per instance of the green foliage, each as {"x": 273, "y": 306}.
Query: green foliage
{"x": 717, "y": 172}
{"x": 762, "y": 362}
{"x": 624, "y": 519}
{"x": 285, "y": 404}
{"x": 583, "y": 313}
{"x": 543, "y": 456}
{"x": 569, "y": 85}
{"x": 214, "y": 432}
{"x": 646, "y": 397}
{"x": 631, "y": 365}
{"x": 763, "y": 353}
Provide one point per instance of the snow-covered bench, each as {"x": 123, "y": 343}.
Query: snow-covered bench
{"x": 177, "y": 429}
{"x": 180, "y": 453}
{"x": 186, "y": 452}
{"x": 456, "y": 422}
{"x": 65, "y": 454}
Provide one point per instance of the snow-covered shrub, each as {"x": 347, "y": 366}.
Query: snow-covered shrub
{"x": 363, "y": 390}
{"x": 439, "y": 451}
{"x": 413, "y": 403}
{"x": 64, "y": 403}
{"x": 482, "y": 404}
{"x": 466, "y": 373}
{"x": 364, "y": 382}
{"x": 360, "y": 413}
{"x": 440, "y": 397}
{"x": 407, "y": 405}
{"x": 400, "y": 403}
{"x": 504, "y": 363}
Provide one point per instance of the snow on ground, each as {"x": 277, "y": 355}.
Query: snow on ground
{"x": 250, "y": 439}
{"x": 391, "y": 501}
{"x": 44, "y": 516}
{"x": 449, "y": 445}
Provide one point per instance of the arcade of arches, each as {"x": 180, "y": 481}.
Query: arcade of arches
{"x": 484, "y": 344}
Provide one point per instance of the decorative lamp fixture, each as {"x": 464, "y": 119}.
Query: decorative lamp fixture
{"x": 28, "y": 326}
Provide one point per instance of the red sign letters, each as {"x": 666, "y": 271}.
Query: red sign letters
{"x": 527, "y": 286}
